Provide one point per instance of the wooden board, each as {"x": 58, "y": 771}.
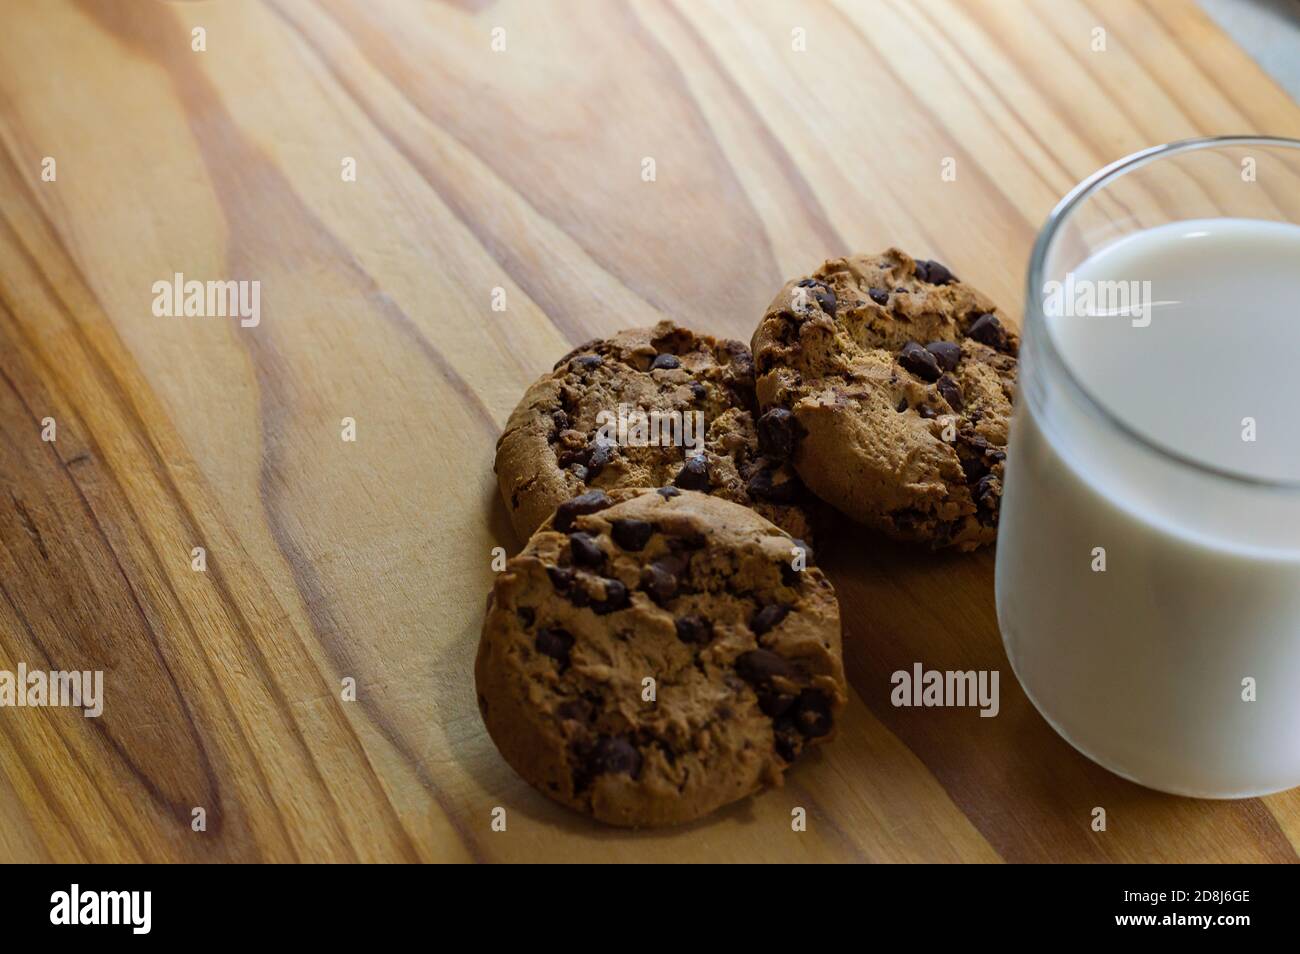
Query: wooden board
{"x": 478, "y": 170}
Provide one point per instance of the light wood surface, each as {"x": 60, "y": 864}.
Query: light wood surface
{"x": 477, "y": 170}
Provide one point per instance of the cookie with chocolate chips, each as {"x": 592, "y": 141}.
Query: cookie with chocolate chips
{"x": 627, "y": 412}
{"x": 888, "y": 383}
{"x": 652, "y": 655}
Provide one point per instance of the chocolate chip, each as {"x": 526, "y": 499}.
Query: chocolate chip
{"x": 901, "y": 406}
{"x": 947, "y": 353}
{"x": 879, "y": 295}
{"x": 555, "y": 643}
{"x": 812, "y": 714}
{"x": 759, "y": 667}
{"x": 765, "y": 485}
{"x": 631, "y": 534}
{"x": 931, "y": 271}
{"x": 694, "y": 629}
{"x": 526, "y": 615}
{"x": 579, "y": 455}
{"x": 560, "y": 419}
{"x": 668, "y": 492}
{"x": 585, "y": 550}
{"x": 826, "y": 298}
{"x": 575, "y": 352}
{"x": 586, "y": 362}
{"x": 768, "y": 617}
{"x": 614, "y": 756}
{"x": 925, "y": 412}
{"x": 986, "y": 329}
{"x": 579, "y": 472}
{"x": 699, "y": 391}
{"x": 822, "y": 292}
{"x": 919, "y": 361}
{"x": 773, "y": 703}
{"x": 739, "y": 363}
{"x": 665, "y": 362}
{"x": 694, "y": 475}
{"x": 777, "y": 433}
{"x": 974, "y": 467}
{"x": 561, "y": 576}
{"x": 616, "y": 598}
{"x": 601, "y": 455}
{"x": 682, "y": 539}
{"x": 951, "y": 392}
{"x": 786, "y": 738}
{"x": 592, "y": 501}
{"x": 985, "y": 488}
{"x": 659, "y": 579}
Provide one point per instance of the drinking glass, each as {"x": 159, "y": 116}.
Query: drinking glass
{"x": 1149, "y": 599}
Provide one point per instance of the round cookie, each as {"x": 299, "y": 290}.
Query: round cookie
{"x": 563, "y": 438}
{"x": 699, "y": 594}
{"x": 888, "y": 382}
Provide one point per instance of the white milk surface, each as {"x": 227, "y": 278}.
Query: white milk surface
{"x": 1143, "y": 665}
{"x": 1223, "y": 343}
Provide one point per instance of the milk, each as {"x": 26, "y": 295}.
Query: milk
{"x": 1150, "y": 606}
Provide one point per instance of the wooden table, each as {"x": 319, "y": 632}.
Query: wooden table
{"x": 484, "y": 176}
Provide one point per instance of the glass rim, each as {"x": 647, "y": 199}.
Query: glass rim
{"x": 1034, "y": 316}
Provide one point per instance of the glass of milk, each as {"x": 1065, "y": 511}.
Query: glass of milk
{"x": 1148, "y": 563}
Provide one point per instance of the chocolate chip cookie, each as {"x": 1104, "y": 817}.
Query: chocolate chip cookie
{"x": 646, "y": 408}
{"x": 888, "y": 382}
{"x": 652, "y": 655}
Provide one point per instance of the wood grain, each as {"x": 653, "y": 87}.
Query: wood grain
{"x": 477, "y": 170}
